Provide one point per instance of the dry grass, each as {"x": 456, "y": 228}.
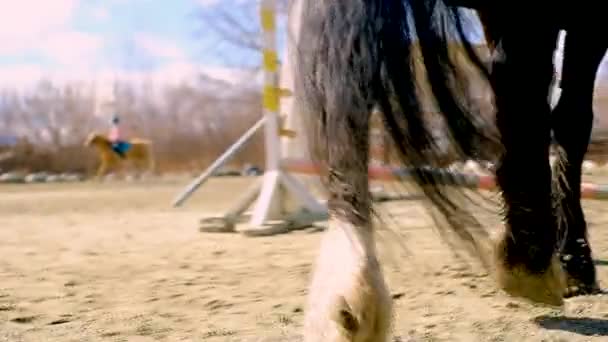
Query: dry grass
{"x": 189, "y": 126}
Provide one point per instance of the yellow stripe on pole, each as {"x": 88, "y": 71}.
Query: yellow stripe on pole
{"x": 271, "y": 98}
{"x": 271, "y": 61}
{"x": 268, "y": 19}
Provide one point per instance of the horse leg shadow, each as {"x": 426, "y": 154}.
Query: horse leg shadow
{"x": 140, "y": 170}
{"x": 600, "y": 262}
{"x": 579, "y": 325}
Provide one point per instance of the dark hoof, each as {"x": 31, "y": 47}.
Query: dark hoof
{"x": 546, "y": 288}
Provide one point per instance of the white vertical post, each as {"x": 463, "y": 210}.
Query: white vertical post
{"x": 295, "y": 148}
{"x": 277, "y": 186}
{"x": 270, "y": 92}
{"x": 270, "y": 202}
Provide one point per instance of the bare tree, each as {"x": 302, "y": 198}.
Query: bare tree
{"x": 236, "y": 26}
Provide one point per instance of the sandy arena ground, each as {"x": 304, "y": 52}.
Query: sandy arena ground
{"x": 114, "y": 262}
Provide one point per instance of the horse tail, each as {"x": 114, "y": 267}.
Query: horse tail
{"x": 358, "y": 54}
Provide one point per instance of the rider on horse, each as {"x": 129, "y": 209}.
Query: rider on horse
{"x": 119, "y": 145}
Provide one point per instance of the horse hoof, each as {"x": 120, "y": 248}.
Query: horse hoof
{"x": 348, "y": 300}
{"x": 546, "y": 288}
{"x": 575, "y": 291}
{"x": 360, "y": 311}
{"x": 576, "y": 288}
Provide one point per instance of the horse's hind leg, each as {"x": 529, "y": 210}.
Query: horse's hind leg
{"x": 348, "y": 299}
{"x": 527, "y": 266}
{"x": 572, "y": 123}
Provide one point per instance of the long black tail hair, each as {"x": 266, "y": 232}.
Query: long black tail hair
{"x": 368, "y": 53}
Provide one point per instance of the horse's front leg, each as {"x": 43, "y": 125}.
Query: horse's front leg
{"x": 527, "y": 265}
{"x": 348, "y": 299}
{"x": 101, "y": 171}
{"x": 572, "y": 122}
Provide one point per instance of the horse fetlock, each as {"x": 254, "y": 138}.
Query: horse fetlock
{"x": 581, "y": 276}
{"x": 361, "y": 313}
{"x": 362, "y": 319}
{"x": 347, "y": 320}
{"x": 576, "y": 287}
{"x": 545, "y": 288}
{"x": 348, "y": 299}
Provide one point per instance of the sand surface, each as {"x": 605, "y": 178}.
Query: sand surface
{"x": 114, "y": 262}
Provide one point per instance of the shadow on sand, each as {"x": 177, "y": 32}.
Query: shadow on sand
{"x": 579, "y": 325}
{"x": 600, "y": 262}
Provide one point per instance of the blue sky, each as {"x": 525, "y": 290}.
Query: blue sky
{"x": 86, "y": 36}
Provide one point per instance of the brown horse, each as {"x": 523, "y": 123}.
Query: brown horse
{"x": 139, "y": 154}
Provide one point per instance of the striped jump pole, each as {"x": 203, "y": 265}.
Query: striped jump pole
{"x": 444, "y": 176}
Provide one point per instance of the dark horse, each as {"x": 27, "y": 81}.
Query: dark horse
{"x": 581, "y": 60}
{"x": 360, "y": 54}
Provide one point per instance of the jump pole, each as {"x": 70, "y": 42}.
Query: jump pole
{"x": 218, "y": 163}
{"x": 447, "y": 177}
{"x": 276, "y": 187}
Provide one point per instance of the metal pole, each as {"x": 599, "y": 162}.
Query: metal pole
{"x": 219, "y": 162}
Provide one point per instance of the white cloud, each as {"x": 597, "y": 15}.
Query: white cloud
{"x": 159, "y": 47}
{"x": 211, "y": 3}
{"x": 100, "y": 13}
{"x": 124, "y": 2}
{"x": 72, "y": 47}
{"x": 25, "y": 22}
{"x": 43, "y": 28}
{"x": 178, "y": 72}
{"x": 208, "y": 3}
{"x": 25, "y": 76}
{"x": 234, "y": 76}
{"x": 20, "y": 76}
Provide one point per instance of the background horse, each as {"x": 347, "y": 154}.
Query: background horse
{"x": 355, "y": 55}
{"x": 139, "y": 154}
